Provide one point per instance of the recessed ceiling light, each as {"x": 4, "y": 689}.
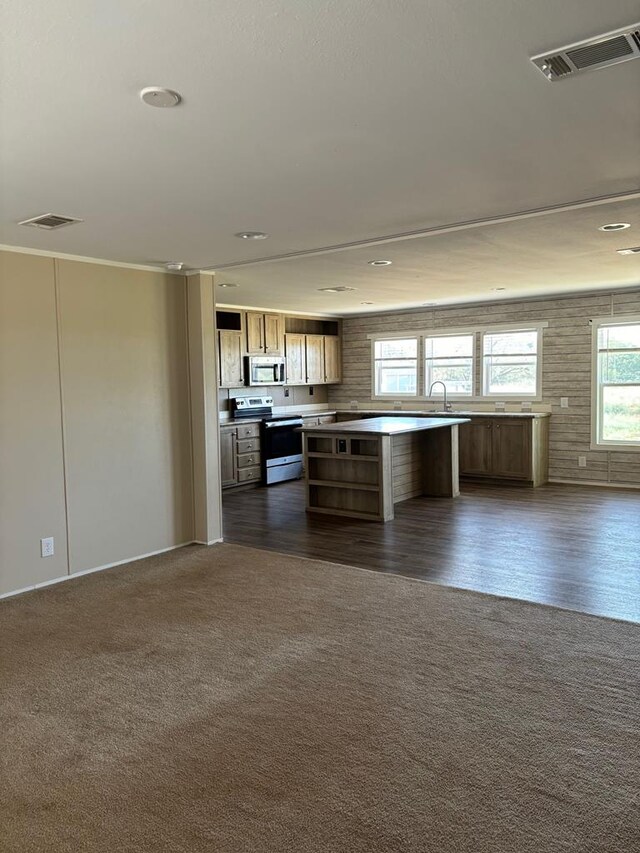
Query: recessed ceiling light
{"x": 366, "y": 303}
{"x": 380, "y": 263}
{"x": 251, "y": 235}
{"x": 498, "y": 288}
{"x": 174, "y": 266}
{"x": 336, "y": 289}
{"x": 633, "y": 251}
{"x": 227, "y": 284}
{"x": 156, "y": 96}
{"x": 615, "y": 226}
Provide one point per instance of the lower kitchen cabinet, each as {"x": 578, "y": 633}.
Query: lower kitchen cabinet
{"x": 239, "y": 454}
{"x": 506, "y": 449}
{"x": 228, "y": 470}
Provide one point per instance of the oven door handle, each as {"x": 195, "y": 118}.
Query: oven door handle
{"x": 272, "y": 425}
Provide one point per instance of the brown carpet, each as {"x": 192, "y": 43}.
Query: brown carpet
{"x": 228, "y": 699}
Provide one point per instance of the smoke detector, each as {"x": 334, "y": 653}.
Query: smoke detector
{"x": 594, "y": 53}
{"x": 174, "y": 266}
{"x": 50, "y": 221}
{"x": 158, "y": 96}
{"x": 339, "y": 289}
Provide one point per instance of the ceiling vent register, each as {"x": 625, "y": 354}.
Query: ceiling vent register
{"x": 598, "y": 52}
{"x": 49, "y": 221}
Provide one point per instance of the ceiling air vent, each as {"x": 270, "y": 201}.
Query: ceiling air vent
{"x": 599, "y": 52}
{"x": 49, "y": 221}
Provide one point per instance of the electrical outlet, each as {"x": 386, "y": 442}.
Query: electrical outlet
{"x": 286, "y": 392}
{"x": 311, "y": 390}
{"x": 46, "y": 547}
{"x": 500, "y": 407}
{"x": 397, "y": 405}
{"x": 582, "y": 461}
{"x": 564, "y": 402}
{"x": 525, "y": 406}
{"x": 353, "y": 404}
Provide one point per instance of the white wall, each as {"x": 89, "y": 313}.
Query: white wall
{"x": 95, "y": 416}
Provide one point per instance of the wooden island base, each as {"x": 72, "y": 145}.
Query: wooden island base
{"x": 361, "y": 469}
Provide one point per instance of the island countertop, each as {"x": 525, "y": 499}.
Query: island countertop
{"x": 385, "y": 426}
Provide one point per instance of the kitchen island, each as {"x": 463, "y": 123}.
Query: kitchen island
{"x": 361, "y": 468}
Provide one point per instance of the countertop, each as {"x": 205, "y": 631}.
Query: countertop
{"x": 387, "y": 413}
{"x": 452, "y": 414}
{"x": 386, "y": 426}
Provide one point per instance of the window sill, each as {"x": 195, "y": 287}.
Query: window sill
{"x": 619, "y": 448}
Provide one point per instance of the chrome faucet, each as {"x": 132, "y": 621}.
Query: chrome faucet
{"x": 447, "y": 406}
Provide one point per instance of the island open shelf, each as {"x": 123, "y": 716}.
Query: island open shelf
{"x": 361, "y": 468}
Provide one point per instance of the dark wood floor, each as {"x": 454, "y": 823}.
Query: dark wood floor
{"x": 576, "y": 547}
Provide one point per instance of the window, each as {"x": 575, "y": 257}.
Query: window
{"x": 449, "y": 359}
{"x": 396, "y": 367}
{"x": 407, "y": 366}
{"x": 510, "y": 363}
{"x": 617, "y": 374}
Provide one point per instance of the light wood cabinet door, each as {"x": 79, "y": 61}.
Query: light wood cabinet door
{"x": 475, "y": 446}
{"x": 511, "y": 449}
{"x": 315, "y": 359}
{"x": 230, "y": 373}
{"x": 228, "y": 469}
{"x": 296, "y": 363}
{"x": 255, "y": 333}
{"x": 274, "y": 334}
{"x": 332, "y": 371}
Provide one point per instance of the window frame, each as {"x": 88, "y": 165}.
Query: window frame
{"x": 517, "y": 395}
{"x": 598, "y": 323}
{"x": 394, "y": 395}
{"x": 450, "y": 395}
{"x": 478, "y": 333}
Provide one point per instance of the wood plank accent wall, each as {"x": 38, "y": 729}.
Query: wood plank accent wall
{"x": 566, "y": 369}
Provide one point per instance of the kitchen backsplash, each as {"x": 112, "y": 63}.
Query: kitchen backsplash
{"x": 298, "y": 395}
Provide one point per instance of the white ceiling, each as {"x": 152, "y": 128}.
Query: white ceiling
{"x": 320, "y": 123}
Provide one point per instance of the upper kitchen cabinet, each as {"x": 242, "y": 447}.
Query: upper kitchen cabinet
{"x": 294, "y": 346}
{"x": 315, "y": 359}
{"x": 230, "y": 367}
{"x": 230, "y": 327}
{"x": 332, "y": 363}
{"x": 313, "y": 351}
{"x": 265, "y": 333}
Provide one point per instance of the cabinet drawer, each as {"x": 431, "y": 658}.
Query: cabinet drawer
{"x": 248, "y": 431}
{"x": 249, "y": 445}
{"x": 246, "y": 460}
{"x": 246, "y": 475}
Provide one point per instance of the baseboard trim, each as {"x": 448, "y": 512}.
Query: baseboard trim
{"x": 96, "y": 569}
{"x": 596, "y": 483}
{"x": 212, "y": 542}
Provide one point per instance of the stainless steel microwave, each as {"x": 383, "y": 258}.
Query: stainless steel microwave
{"x": 264, "y": 370}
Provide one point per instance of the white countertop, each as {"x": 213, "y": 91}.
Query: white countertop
{"x": 393, "y": 425}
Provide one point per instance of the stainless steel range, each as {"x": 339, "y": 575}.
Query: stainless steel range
{"x": 280, "y": 444}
